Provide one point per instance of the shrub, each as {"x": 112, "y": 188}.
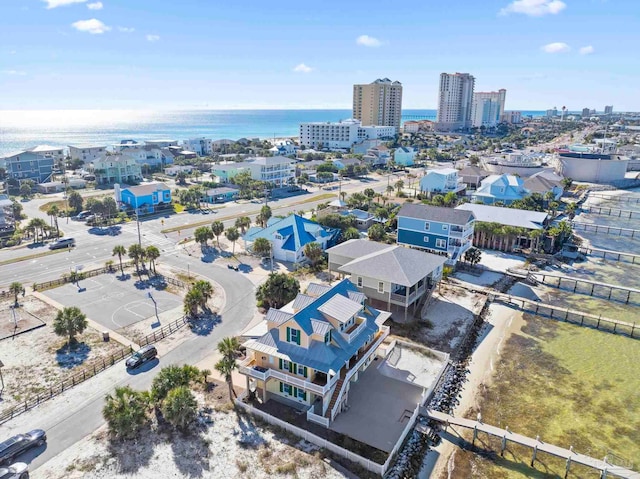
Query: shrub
{"x": 180, "y": 408}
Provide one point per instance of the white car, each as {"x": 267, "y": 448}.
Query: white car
{"x": 18, "y": 470}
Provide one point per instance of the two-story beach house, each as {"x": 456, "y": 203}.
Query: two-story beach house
{"x": 404, "y": 155}
{"x": 116, "y": 169}
{"x": 87, "y": 153}
{"x": 144, "y": 199}
{"x": 500, "y": 188}
{"x": 289, "y": 236}
{"x": 27, "y": 165}
{"x": 436, "y": 229}
{"x": 314, "y": 348}
{"x": 441, "y": 181}
{"x": 391, "y": 276}
{"x": 277, "y": 170}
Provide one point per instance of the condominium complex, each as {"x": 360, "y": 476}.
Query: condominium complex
{"x": 487, "y": 108}
{"x": 341, "y": 135}
{"x": 277, "y": 170}
{"x": 87, "y": 153}
{"x": 378, "y": 103}
{"x": 455, "y": 101}
{"x": 608, "y": 110}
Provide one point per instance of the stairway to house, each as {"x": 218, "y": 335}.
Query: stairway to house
{"x": 334, "y": 397}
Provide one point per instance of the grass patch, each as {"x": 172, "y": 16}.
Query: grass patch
{"x": 208, "y": 221}
{"x": 178, "y": 208}
{"x": 573, "y": 386}
{"x": 32, "y": 256}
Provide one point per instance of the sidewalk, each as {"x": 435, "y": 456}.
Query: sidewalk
{"x": 92, "y": 324}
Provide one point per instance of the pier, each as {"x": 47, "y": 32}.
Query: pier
{"x": 627, "y": 198}
{"x": 609, "y": 292}
{"x": 610, "y": 254}
{"x": 536, "y": 445}
{"x": 605, "y": 210}
{"x": 609, "y": 230}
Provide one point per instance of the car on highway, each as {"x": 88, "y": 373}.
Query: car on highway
{"x": 16, "y": 445}
{"x": 141, "y": 356}
{"x": 18, "y": 470}
{"x": 63, "y": 243}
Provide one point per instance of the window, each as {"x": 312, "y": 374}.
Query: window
{"x": 327, "y": 337}
{"x": 286, "y": 388}
{"x": 440, "y": 243}
{"x": 445, "y": 227}
{"x": 293, "y": 336}
{"x": 426, "y": 239}
{"x": 380, "y": 287}
{"x": 285, "y": 364}
{"x": 359, "y": 281}
{"x": 426, "y": 226}
{"x": 302, "y": 394}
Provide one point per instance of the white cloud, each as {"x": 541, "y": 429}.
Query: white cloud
{"x": 556, "y": 47}
{"x": 95, "y": 6}
{"x": 534, "y": 8}
{"x": 126, "y": 29}
{"x": 588, "y": 50}
{"x": 92, "y": 26}
{"x": 14, "y": 72}
{"x": 302, "y": 68}
{"x": 12, "y": 52}
{"x": 367, "y": 41}
{"x": 153, "y": 38}
{"x": 61, "y": 3}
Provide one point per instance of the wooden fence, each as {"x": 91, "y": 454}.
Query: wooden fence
{"x": 609, "y": 254}
{"x": 626, "y": 198}
{"x": 87, "y": 372}
{"x": 597, "y": 289}
{"x": 605, "y": 210}
{"x": 164, "y": 331}
{"x": 82, "y": 274}
{"x": 610, "y": 230}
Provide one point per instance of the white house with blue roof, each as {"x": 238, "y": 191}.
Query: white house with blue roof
{"x": 289, "y": 236}
{"x": 314, "y": 348}
{"x": 500, "y": 188}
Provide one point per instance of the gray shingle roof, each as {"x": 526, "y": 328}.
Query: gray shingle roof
{"x": 356, "y": 248}
{"x": 532, "y": 220}
{"x": 340, "y": 308}
{"x": 395, "y": 264}
{"x": 440, "y": 214}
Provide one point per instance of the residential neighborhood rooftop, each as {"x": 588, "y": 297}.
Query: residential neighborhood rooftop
{"x": 532, "y": 220}
{"x": 142, "y": 190}
{"x": 440, "y": 214}
{"x": 296, "y": 230}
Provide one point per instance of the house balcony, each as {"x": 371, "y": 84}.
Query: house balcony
{"x": 404, "y": 299}
{"x": 353, "y": 332}
{"x": 249, "y": 367}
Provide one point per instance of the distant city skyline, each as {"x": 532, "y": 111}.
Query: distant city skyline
{"x": 161, "y": 54}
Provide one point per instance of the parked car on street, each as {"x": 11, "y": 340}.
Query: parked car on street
{"x": 81, "y": 216}
{"x": 18, "y": 470}
{"x": 13, "y": 447}
{"x": 141, "y": 356}
{"x": 63, "y": 243}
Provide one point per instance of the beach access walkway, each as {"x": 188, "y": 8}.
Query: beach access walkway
{"x": 571, "y": 457}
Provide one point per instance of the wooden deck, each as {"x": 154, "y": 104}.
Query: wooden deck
{"x": 536, "y": 445}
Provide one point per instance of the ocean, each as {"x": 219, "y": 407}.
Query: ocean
{"x": 24, "y": 129}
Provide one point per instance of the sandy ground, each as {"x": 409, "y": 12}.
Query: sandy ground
{"x": 500, "y": 261}
{"x": 502, "y": 323}
{"x": 232, "y": 446}
{"x": 39, "y": 358}
{"x": 422, "y": 366}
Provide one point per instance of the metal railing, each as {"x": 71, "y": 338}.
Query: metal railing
{"x": 246, "y": 368}
{"x": 164, "y": 331}
{"x": 351, "y": 336}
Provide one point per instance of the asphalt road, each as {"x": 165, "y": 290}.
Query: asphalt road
{"x": 69, "y": 418}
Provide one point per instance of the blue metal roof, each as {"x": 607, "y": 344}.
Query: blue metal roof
{"x": 296, "y": 230}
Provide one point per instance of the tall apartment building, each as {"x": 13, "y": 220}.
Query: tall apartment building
{"x": 608, "y": 110}
{"x": 455, "y": 101}
{"x": 586, "y": 113}
{"x": 378, "y": 103}
{"x": 487, "y": 108}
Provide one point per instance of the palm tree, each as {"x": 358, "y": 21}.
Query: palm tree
{"x": 152, "y": 253}
{"x": 226, "y": 367}
{"x": 70, "y": 322}
{"x": 229, "y": 347}
{"x": 232, "y": 235}
{"x": 53, "y": 213}
{"x": 120, "y": 251}
{"x": 180, "y": 408}
{"x": 399, "y": 185}
{"x": 206, "y": 291}
{"x": 262, "y": 247}
{"x": 125, "y": 411}
{"x": 136, "y": 253}
{"x": 243, "y": 223}
{"x": 202, "y": 235}
{"x": 15, "y": 288}
{"x": 389, "y": 190}
{"x": 192, "y": 300}
{"x": 217, "y": 228}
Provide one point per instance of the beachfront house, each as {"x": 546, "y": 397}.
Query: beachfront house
{"x": 289, "y": 236}
{"x": 441, "y": 181}
{"x": 277, "y": 170}
{"x": 149, "y": 155}
{"x": 436, "y": 229}
{"x": 27, "y": 165}
{"x": 145, "y": 199}
{"x": 500, "y": 188}
{"x": 545, "y": 183}
{"x": 506, "y": 229}
{"x": 472, "y": 176}
{"x": 116, "y": 169}
{"x": 378, "y": 156}
{"x": 314, "y": 349}
{"x": 404, "y": 155}
{"x": 391, "y": 276}
{"x": 87, "y": 153}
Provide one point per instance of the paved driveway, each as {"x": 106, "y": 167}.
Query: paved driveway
{"x": 380, "y": 408}
{"x": 115, "y": 303}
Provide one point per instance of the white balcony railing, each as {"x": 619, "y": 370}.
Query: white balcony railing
{"x": 246, "y": 367}
{"x": 354, "y": 334}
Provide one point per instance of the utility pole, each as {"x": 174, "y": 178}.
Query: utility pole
{"x": 138, "y": 223}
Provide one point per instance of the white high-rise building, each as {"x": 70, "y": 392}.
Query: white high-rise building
{"x": 455, "y": 101}
{"x": 487, "y": 108}
{"x": 341, "y": 135}
{"x": 378, "y": 103}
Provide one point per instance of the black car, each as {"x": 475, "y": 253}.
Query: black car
{"x": 13, "y": 447}
{"x": 145, "y": 354}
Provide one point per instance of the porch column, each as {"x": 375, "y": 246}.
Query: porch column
{"x": 406, "y": 302}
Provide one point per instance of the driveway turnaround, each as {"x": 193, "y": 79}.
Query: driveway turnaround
{"x": 379, "y": 409}
{"x": 115, "y": 303}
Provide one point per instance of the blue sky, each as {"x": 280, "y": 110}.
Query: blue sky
{"x": 67, "y": 54}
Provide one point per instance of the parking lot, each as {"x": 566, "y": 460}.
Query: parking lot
{"x": 115, "y": 303}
